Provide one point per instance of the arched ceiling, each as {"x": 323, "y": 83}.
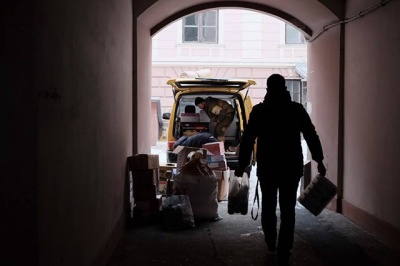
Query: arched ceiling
{"x": 310, "y": 16}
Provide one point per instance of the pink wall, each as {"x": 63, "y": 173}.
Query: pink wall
{"x": 323, "y": 93}
{"x": 143, "y": 90}
{"x": 372, "y": 128}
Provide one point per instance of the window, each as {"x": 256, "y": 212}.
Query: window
{"x": 201, "y": 27}
{"x": 304, "y": 93}
{"x": 294, "y": 87}
{"x": 293, "y": 36}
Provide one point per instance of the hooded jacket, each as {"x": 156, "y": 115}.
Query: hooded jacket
{"x": 277, "y": 124}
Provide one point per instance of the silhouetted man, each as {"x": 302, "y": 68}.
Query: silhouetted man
{"x": 221, "y": 112}
{"x": 277, "y": 123}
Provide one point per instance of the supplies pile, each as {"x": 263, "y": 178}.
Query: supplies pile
{"x": 199, "y": 183}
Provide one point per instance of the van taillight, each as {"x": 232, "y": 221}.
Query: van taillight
{"x": 171, "y": 145}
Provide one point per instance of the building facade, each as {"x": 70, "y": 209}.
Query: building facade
{"x": 232, "y": 43}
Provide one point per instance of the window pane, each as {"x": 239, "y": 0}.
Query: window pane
{"x": 304, "y": 91}
{"x": 296, "y": 86}
{"x": 296, "y": 91}
{"x": 289, "y": 85}
{"x": 190, "y": 20}
{"x": 209, "y": 35}
{"x": 191, "y": 34}
{"x": 210, "y": 18}
{"x": 296, "y": 97}
{"x": 293, "y": 36}
{"x": 201, "y": 27}
{"x": 304, "y": 97}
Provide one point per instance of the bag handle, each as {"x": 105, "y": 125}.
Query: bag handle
{"x": 256, "y": 197}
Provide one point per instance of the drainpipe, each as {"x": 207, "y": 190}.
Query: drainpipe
{"x": 340, "y": 159}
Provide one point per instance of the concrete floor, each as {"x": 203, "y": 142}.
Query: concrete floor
{"x": 328, "y": 239}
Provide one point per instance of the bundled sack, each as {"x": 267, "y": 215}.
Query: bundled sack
{"x": 199, "y": 183}
{"x": 176, "y": 213}
{"x": 238, "y": 195}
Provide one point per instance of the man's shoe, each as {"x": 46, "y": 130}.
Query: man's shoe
{"x": 272, "y": 250}
{"x": 283, "y": 258}
{"x": 271, "y": 247}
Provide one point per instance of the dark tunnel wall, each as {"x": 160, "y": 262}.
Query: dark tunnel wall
{"x": 85, "y": 132}
{"x": 18, "y": 146}
{"x": 66, "y": 102}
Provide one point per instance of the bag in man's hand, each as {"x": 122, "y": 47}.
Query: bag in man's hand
{"x": 238, "y": 195}
{"x": 318, "y": 194}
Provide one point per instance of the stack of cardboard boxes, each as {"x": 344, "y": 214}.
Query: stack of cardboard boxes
{"x": 183, "y": 152}
{"x": 214, "y": 155}
{"x": 148, "y": 180}
{"x": 144, "y": 169}
{"x": 217, "y": 162}
{"x": 167, "y": 172}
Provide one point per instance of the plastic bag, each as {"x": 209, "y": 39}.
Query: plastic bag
{"x": 176, "y": 212}
{"x": 238, "y": 196}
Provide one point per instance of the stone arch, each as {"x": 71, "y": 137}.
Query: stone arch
{"x": 234, "y": 4}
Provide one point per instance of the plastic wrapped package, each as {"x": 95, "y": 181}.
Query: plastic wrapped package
{"x": 238, "y": 195}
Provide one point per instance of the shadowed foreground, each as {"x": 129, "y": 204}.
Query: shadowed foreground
{"x": 329, "y": 239}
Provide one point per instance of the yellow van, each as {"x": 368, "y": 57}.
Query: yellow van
{"x": 185, "y": 90}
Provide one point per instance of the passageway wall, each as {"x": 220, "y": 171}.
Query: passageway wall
{"x": 372, "y": 128}
{"x": 18, "y": 134}
{"x": 323, "y": 93}
{"x": 84, "y": 57}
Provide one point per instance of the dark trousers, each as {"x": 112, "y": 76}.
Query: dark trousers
{"x": 286, "y": 188}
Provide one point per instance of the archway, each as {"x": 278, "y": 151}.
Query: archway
{"x": 308, "y": 16}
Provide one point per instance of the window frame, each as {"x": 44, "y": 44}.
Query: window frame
{"x": 292, "y": 85}
{"x": 299, "y": 36}
{"x": 200, "y": 25}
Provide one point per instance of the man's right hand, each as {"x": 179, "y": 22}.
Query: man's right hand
{"x": 239, "y": 172}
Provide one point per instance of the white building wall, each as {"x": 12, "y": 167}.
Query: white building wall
{"x": 250, "y": 45}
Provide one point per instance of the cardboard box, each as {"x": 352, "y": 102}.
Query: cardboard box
{"x": 167, "y": 171}
{"x": 220, "y": 165}
{"x": 166, "y": 174}
{"x": 143, "y": 161}
{"x": 151, "y": 204}
{"x": 162, "y": 187}
{"x": 182, "y": 153}
{"x": 223, "y": 183}
{"x": 144, "y": 191}
{"x": 215, "y": 148}
{"x": 145, "y": 177}
{"x": 215, "y": 158}
{"x": 190, "y": 117}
